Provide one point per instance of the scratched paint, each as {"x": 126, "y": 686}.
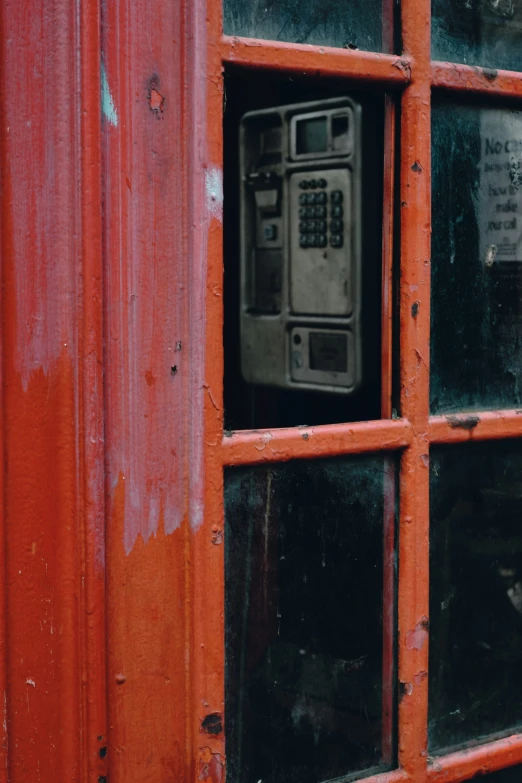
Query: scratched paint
{"x": 147, "y": 279}
{"x": 50, "y": 493}
{"x": 44, "y": 246}
{"x": 145, "y": 320}
{"x": 415, "y": 639}
{"x": 207, "y": 199}
{"x": 41, "y": 297}
{"x": 214, "y": 192}
{"x": 211, "y": 766}
{"x": 149, "y": 269}
{"x": 107, "y": 103}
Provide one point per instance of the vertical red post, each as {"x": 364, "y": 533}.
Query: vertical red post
{"x": 415, "y": 195}
{"x": 204, "y": 171}
{"x": 52, "y": 673}
{"x": 162, "y": 243}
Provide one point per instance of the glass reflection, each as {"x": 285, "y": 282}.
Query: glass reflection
{"x": 475, "y": 684}
{"x": 476, "y": 345}
{"x": 478, "y": 32}
{"x": 353, "y": 25}
{"x": 304, "y": 628}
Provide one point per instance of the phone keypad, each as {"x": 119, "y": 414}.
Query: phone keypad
{"x": 313, "y": 183}
{"x": 314, "y": 208}
{"x": 312, "y": 240}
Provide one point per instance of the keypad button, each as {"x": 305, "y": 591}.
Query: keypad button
{"x": 313, "y": 184}
{"x": 336, "y": 226}
{"x": 310, "y": 212}
{"x": 303, "y": 184}
{"x": 303, "y": 240}
{"x": 322, "y": 183}
{"x": 320, "y": 198}
{"x": 336, "y": 211}
{"x": 302, "y": 227}
{"x": 312, "y": 239}
{"x": 336, "y": 197}
{"x": 310, "y": 225}
{"x": 321, "y": 240}
{"x": 302, "y": 212}
{"x": 320, "y": 225}
{"x": 303, "y": 198}
{"x": 320, "y": 212}
{"x": 310, "y": 198}
{"x": 336, "y": 240}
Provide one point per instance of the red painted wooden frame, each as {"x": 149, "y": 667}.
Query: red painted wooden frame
{"x": 415, "y": 76}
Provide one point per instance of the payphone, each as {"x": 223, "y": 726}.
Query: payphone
{"x": 300, "y": 225}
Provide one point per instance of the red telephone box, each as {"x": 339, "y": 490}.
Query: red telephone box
{"x": 354, "y": 613}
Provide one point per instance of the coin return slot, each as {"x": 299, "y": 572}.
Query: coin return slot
{"x": 328, "y": 352}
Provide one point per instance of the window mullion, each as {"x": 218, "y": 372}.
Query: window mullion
{"x": 481, "y": 81}
{"x": 368, "y": 67}
{"x": 413, "y": 592}
{"x": 250, "y": 447}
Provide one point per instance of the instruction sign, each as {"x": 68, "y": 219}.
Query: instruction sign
{"x": 500, "y": 190}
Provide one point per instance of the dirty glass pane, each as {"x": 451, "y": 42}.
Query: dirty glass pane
{"x": 475, "y": 686}
{"x": 356, "y": 24}
{"x": 304, "y": 627}
{"x": 476, "y": 343}
{"x": 478, "y": 32}
{"x": 509, "y": 775}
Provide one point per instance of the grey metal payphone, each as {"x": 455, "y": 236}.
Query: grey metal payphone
{"x": 300, "y": 223}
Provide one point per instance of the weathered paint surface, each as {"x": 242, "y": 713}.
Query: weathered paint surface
{"x": 128, "y": 114}
{"x": 109, "y": 112}
{"x": 162, "y": 213}
{"x": 51, "y": 607}
{"x": 118, "y": 441}
{"x": 156, "y": 269}
{"x": 415, "y": 216}
{"x": 144, "y": 281}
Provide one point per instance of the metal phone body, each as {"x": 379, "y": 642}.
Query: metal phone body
{"x": 300, "y": 226}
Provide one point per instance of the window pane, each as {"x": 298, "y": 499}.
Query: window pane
{"x": 304, "y": 627}
{"x": 475, "y": 684}
{"x": 356, "y": 24}
{"x": 509, "y": 775}
{"x": 478, "y": 32}
{"x": 476, "y": 346}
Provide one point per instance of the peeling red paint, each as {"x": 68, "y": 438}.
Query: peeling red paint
{"x": 419, "y": 677}
{"x": 211, "y": 765}
{"x": 145, "y": 275}
{"x": 407, "y": 688}
{"x": 156, "y": 100}
{"x": 415, "y": 639}
{"x": 282, "y": 444}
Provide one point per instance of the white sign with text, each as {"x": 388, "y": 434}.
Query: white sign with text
{"x": 499, "y": 210}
